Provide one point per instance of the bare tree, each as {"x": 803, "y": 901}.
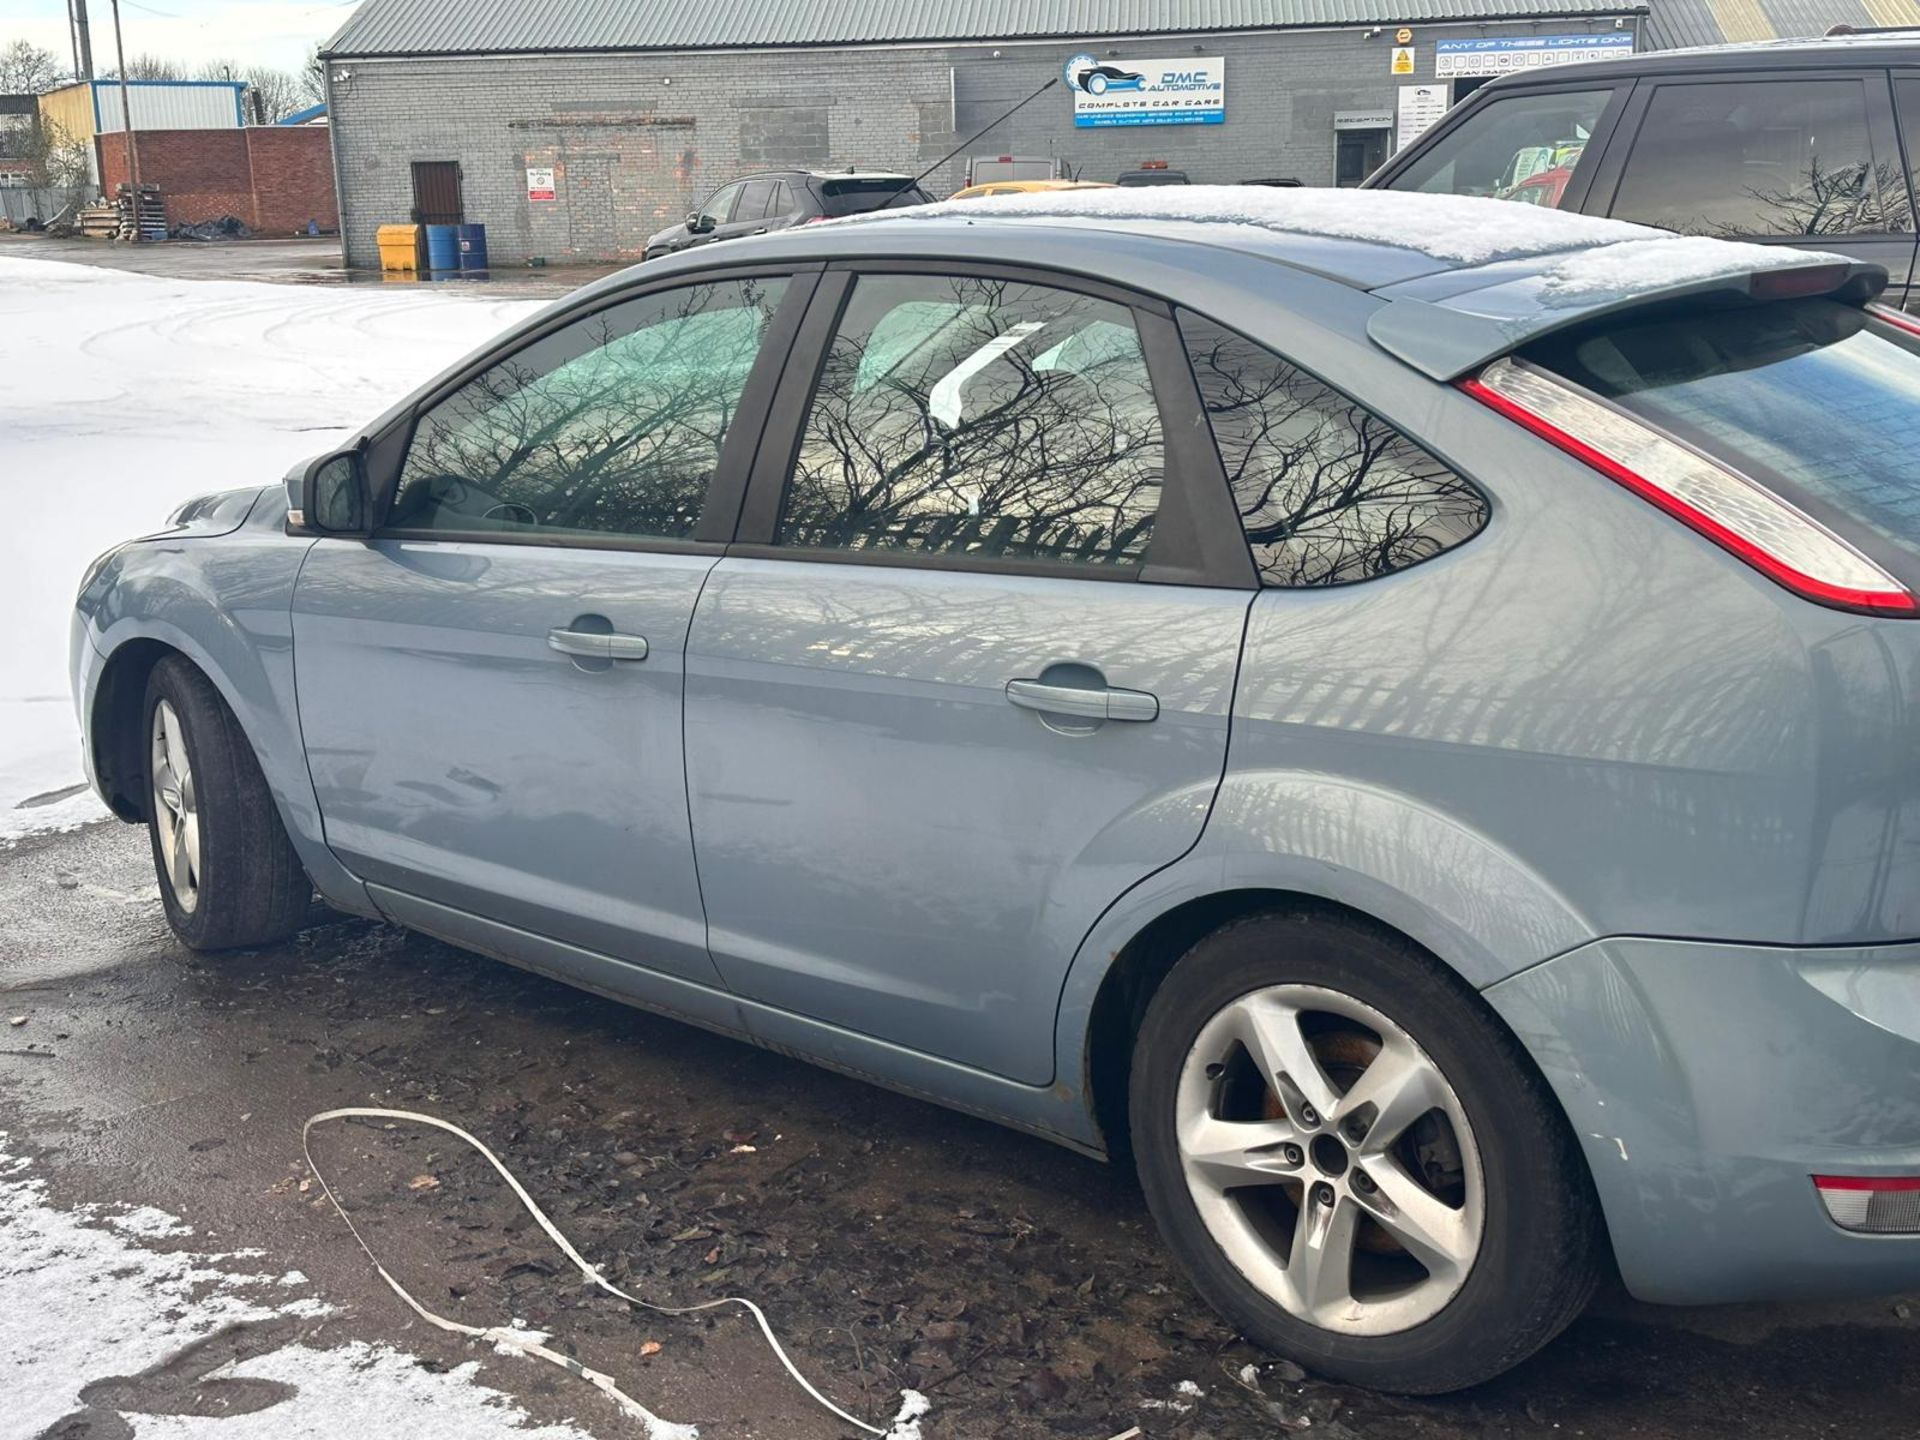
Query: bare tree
{"x": 313, "y": 77}
{"x": 272, "y": 93}
{"x": 150, "y": 67}
{"x": 29, "y": 69}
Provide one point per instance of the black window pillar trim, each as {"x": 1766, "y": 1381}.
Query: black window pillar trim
{"x": 727, "y": 492}
{"x": 786, "y": 414}
{"x": 1197, "y": 537}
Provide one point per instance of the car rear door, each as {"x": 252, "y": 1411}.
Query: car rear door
{"x": 719, "y": 208}
{"x": 750, "y": 210}
{"x": 490, "y": 685}
{"x": 965, "y": 676}
{"x": 1803, "y": 157}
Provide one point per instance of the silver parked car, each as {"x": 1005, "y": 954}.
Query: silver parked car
{"x": 1395, "y": 712}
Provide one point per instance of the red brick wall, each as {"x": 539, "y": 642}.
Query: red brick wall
{"x": 275, "y": 178}
{"x": 292, "y": 178}
{"x": 202, "y": 174}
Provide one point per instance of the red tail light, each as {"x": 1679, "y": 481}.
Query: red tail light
{"x": 1872, "y": 1204}
{"x": 1782, "y": 542}
{"x": 1899, "y": 319}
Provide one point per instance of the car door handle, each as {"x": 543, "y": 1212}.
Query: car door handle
{"x": 1083, "y": 702}
{"x": 596, "y": 645}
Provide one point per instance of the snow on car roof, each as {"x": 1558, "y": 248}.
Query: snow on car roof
{"x": 1456, "y": 229}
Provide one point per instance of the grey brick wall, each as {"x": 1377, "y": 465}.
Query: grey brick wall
{"x": 637, "y": 140}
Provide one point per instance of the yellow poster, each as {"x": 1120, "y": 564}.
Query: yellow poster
{"x": 1403, "y": 59}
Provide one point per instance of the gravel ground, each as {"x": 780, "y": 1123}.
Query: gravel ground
{"x": 895, "y": 1244}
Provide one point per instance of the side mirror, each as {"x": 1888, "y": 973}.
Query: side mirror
{"x": 700, "y": 224}
{"x": 333, "y": 496}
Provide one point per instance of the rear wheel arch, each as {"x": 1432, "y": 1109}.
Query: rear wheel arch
{"x": 1142, "y": 965}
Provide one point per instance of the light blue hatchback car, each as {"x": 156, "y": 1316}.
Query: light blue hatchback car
{"x": 1396, "y": 712}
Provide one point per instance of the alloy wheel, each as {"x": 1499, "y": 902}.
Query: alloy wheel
{"x": 176, "y": 816}
{"x": 1330, "y": 1160}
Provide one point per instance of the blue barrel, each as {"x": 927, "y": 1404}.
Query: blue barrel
{"x": 473, "y": 247}
{"x": 443, "y": 247}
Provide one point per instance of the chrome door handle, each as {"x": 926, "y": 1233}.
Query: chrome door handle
{"x": 595, "y": 645}
{"x": 1084, "y": 703}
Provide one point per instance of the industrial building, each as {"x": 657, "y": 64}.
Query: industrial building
{"x": 573, "y": 129}
{"x": 82, "y": 112}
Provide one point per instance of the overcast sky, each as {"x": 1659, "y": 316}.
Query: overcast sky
{"x": 267, "y": 32}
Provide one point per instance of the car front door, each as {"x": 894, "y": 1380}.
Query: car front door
{"x": 490, "y": 685}
{"x": 714, "y": 215}
{"x": 939, "y": 711}
{"x": 1809, "y": 157}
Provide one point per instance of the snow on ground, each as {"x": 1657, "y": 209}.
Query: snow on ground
{"x": 81, "y": 1302}
{"x": 126, "y": 394}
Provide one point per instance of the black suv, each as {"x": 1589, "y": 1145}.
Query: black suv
{"x": 776, "y": 199}
{"x": 1800, "y": 141}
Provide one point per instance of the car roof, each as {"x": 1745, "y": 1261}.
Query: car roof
{"x": 1890, "y": 47}
{"x": 1462, "y": 279}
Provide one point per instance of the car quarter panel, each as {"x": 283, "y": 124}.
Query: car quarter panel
{"x": 224, "y": 602}
{"x": 1708, "y": 1083}
{"x": 1587, "y": 720}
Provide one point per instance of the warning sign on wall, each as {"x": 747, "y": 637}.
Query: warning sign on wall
{"x": 540, "y": 182}
{"x": 1403, "y": 60}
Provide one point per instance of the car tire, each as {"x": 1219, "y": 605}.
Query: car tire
{"x": 1484, "y": 1193}
{"x": 229, "y": 877}
{"x": 1096, "y": 84}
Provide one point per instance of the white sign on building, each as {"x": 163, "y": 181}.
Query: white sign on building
{"x": 1420, "y": 106}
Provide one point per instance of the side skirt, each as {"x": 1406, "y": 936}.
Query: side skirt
{"x": 1057, "y": 1113}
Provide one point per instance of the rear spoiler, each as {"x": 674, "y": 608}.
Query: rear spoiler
{"x": 1449, "y": 326}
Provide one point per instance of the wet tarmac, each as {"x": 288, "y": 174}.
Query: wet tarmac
{"x": 894, "y": 1244}
{"x": 291, "y": 262}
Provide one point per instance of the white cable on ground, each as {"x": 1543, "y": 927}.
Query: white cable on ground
{"x": 913, "y": 1405}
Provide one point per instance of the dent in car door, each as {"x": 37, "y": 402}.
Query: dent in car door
{"x": 490, "y": 689}
{"x": 941, "y": 725}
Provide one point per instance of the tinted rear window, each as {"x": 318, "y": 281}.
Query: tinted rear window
{"x": 856, "y": 197}
{"x": 1812, "y": 398}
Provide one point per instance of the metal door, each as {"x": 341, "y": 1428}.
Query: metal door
{"x": 436, "y": 193}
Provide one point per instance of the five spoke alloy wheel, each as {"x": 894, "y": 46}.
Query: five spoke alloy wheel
{"x": 1330, "y": 1159}
{"x": 176, "y": 811}
{"x": 1353, "y": 1159}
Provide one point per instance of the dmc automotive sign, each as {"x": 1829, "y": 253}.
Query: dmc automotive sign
{"x": 1187, "y": 91}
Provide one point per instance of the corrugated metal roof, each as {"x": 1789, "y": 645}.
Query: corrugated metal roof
{"x": 1676, "y": 24}
{"x": 493, "y": 27}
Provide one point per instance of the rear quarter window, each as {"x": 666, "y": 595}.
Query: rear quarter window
{"x": 1328, "y": 492}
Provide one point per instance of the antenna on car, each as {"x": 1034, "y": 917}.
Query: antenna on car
{"x": 913, "y": 183}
